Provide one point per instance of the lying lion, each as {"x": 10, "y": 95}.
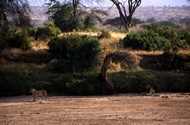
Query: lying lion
{"x": 36, "y": 93}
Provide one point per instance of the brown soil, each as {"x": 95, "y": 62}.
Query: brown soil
{"x": 165, "y": 109}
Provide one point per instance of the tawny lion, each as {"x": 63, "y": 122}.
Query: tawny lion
{"x": 36, "y": 93}
{"x": 151, "y": 89}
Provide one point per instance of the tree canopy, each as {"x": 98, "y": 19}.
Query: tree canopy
{"x": 71, "y": 15}
{"x": 126, "y": 16}
{"x": 14, "y": 12}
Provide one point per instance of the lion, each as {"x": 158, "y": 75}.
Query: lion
{"x": 151, "y": 89}
{"x": 36, "y": 93}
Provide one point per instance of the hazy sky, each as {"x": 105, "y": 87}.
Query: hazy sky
{"x": 164, "y": 2}
{"x": 144, "y": 2}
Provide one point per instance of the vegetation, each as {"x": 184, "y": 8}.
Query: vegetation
{"x": 146, "y": 40}
{"x": 15, "y": 38}
{"x": 15, "y": 13}
{"x": 47, "y": 31}
{"x": 22, "y": 38}
{"x": 156, "y": 37}
{"x": 122, "y": 9}
{"x": 116, "y": 22}
{"x": 14, "y": 18}
{"x": 69, "y": 16}
{"x": 76, "y": 67}
{"x": 104, "y": 34}
{"x": 77, "y": 53}
{"x": 18, "y": 81}
{"x": 98, "y": 63}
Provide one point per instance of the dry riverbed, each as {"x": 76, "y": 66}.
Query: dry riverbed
{"x": 128, "y": 109}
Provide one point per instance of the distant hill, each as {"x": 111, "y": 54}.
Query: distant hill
{"x": 158, "y": 13}
{"x": 143, "y": 13}
{"x": 38, "y": 15}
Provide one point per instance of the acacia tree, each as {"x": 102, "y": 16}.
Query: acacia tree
{"x": 73, "y": 14}
{"x": 77, "y": 3}
{"x": 62, "y": 15}
{"x": 14, "y": 12}
{"x": 126, "y": 16}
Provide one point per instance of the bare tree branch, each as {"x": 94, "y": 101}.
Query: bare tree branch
{"x": 122, "y": 9}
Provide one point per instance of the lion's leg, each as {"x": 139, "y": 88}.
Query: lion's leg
{"x": 42, "y": 97}
{"x": 46, "y": 97}
{"x": 34, "y": 98}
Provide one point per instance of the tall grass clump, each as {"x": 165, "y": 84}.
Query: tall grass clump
{"x": 104, "y": 34}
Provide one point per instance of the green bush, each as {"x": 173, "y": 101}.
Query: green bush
{"x": 13, "y": 83}
{"x": 3, "y": 43}
{"x": 104, "y": 34}
{"x": 81, "y": 84}
{"x": 17, "y": 80}
{"x": 157, "y": 37}
{"x": 167, "y": 32}
{"x": 136, "y": 81}
{"x": 76, "y": 53}
{"x": 47, "y": 31}
{"x": 17, "y": 38}
{"x": 185, "y": 36}
{"x": 146, "y": 40}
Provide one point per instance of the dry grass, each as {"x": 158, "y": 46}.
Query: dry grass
{"x": 118, "y": 35}
{"x": 108, "y": 45}
{"x": 40, "y": 45}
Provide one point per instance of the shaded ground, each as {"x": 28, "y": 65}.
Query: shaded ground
{"x": 166, "y": 109}
{"x": 148, "y": 61}
{"x": 30, "y": 56}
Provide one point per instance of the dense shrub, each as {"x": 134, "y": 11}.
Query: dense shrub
{"x": 173, "y": 62}
{"x": 76, "y": 52}
{"x": 146, "y": 40}
{"x": 175, "y": 38}
{"x": 185, "y": 36}
{"x": 47, "y": 31}
{"x": 15, "y": 81}
{"x": 136, "y": 81}
{"x": 157, "y": 37}
{"x": 3, "y": 43}
{"x": 81, "y": 84}
{"x": 104, "y": 34}
{"x": 167, "y": 32}
{"x": 15, "y": 38}
{"x": 18, "y": 80}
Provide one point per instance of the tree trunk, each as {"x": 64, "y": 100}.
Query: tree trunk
{"x": 117, "y": 57}
{"x": 105, "y": 66}
{"x": 127, "y": 26}
{"x": 122, "y": 9}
